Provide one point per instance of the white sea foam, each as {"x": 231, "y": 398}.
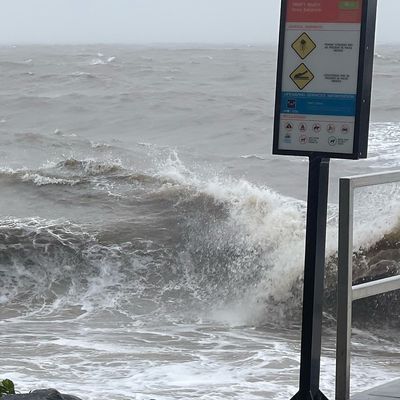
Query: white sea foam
{"x": 97, "y": 61}
{"x": 145, "y": 144}
{"x": 379, "y": 56}
{"x": 96, "y": 145}
{"x": 100, "y": 61}
{"x": 41, "y": 180}
{"x": 82, "y": 74}
{"x": 384, "y": 145}
{"x": 253, "y": 156}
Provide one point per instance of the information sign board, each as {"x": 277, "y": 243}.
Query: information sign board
{"x": 325, "y": 60}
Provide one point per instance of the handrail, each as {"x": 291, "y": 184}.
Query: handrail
{"x": 346, "y": 292}
{"x": 379, "y": 178}
{"x": 373, "y": 288}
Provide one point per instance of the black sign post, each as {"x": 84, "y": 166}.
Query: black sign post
{"x": 318, "y": 182}
{"x": 322, "y": 108}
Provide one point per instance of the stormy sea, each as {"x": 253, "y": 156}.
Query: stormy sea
{"x": 151, "y": 247}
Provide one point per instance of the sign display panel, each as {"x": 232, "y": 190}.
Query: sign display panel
{"x": 324, "y": 77}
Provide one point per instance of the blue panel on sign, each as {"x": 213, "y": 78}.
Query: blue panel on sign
{"x": 318, "y": 104}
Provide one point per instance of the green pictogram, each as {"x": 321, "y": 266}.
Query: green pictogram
{"x": 349, "y": 5}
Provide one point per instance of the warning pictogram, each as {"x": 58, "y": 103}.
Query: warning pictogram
{"x": 302, "y": 127}
{"x": 301, "y": 76}
{"x": 289, "y": 127}
{"x": 303, "y": 45}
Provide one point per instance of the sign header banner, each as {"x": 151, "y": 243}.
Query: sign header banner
{"x": 324, "y": 11}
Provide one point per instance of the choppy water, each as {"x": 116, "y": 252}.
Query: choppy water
{"x": 150, "y": 245}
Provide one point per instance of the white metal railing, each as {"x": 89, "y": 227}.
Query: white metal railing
{"x": 346, "y": 292}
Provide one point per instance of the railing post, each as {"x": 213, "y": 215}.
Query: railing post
{"x": 344, "y": 295}
{"x": 346, "y": 292}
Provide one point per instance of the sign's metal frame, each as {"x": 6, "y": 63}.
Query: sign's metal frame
{"x": 364, "y": 85}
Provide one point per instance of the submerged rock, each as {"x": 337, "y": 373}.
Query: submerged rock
{"x": 42, "y": 394}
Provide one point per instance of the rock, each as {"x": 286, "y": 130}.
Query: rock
{"x": 42, "y": 394}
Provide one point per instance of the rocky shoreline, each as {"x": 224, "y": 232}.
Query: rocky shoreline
{"x": 42, "y": 394}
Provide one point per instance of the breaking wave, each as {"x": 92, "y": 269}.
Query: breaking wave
{"x": 68, "y": 172}
{"x": 211, "y": 243}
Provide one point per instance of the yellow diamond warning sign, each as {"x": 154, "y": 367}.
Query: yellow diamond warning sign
{"x": 303, "y": 45}
{"x": 301, "y": 76}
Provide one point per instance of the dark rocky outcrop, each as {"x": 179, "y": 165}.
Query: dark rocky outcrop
{"x": 42, "y": 394}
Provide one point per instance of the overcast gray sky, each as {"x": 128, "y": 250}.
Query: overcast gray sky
{"x": 156, "y": 21}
